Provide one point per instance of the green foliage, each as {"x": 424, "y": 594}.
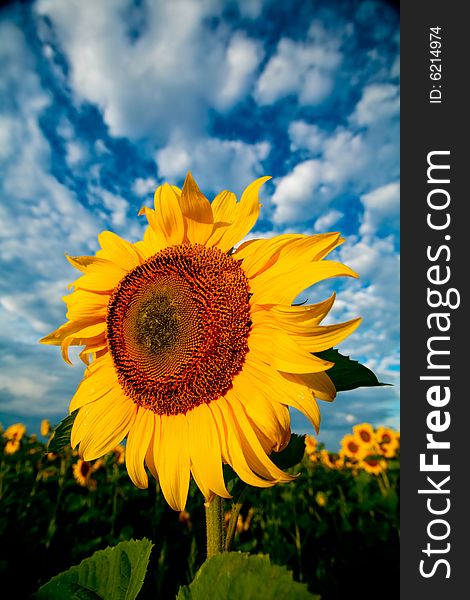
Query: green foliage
{"x": 348, "y": 374}
{"x": 334, "y": 529}
{"x": 292, "y": 453}
{"x": 116, "y": 573}
{"x": 61, "y": 435}
{"x": 239, "y": 575}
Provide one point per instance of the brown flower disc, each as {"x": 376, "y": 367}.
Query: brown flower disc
{"x": 177, "y": 328}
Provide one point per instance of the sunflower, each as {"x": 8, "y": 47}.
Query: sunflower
{"x": 310, "y": 446}
{"x": 331, "y": 461}
{"x": 351, "y": 448}
{"x": 12, "y": 446}
{"x": 373, "y": 464}
{"x": 45, "y": 428}
{"x": 15, "y": 432}
{"x": 83, "y": 470}
{"x": 387, "y": 441}
{"x": 195, "y": 351}
{"x": 364, "y": 434}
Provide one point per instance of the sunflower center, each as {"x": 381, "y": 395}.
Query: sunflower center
{"x": 177, "y": 328}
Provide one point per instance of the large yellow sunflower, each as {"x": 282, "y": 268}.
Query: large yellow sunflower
{"x": 195, "y": 352}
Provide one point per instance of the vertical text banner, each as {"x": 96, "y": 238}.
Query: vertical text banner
{"x": 435, "y": 318}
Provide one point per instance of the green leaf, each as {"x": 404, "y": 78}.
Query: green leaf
{"x": 292, "y": 453}
{"x": 347, "y": 374}
{"x": 234, "y": 575}
{"x": 61, "y": 435}
{"x": 115, "y": 574}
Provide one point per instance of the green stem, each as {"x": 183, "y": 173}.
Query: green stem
{"x": 215, "y": 527}
{"x": 232, "y": 524}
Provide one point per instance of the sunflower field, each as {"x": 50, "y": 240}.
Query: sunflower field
{"x": 335, "y": 527}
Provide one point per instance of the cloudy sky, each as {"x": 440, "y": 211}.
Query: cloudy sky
{"x": 102, "y": 101}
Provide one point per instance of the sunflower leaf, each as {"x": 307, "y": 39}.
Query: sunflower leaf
{"x": 116, "y": 573}
{"x": 292, "y": 453}
{"x": 348, "y": 374}
{"x": 61, "y": 435}
{"x": 240, "y": 575}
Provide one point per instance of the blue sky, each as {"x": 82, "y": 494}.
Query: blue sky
{"x": 102, "y": 101}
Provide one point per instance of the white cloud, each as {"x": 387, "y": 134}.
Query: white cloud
{"x": 306, "y": 70}
{"x": 76, "y": 153}
{"x": 216, "y": 164}
{"x": 242, "y": 59}
{"x": 382, "y": 208}
{"x": 346, "y": 160}
{"x": 166, "y": 77}
{"x": 7, "y": 127}
{"x": 312, "y": 184}
{"x": 293, "y": 194}
{"x": 379, "y": 102}
{"x": 144, "y": 186}
{"x": 306, "y": 136}
{"x": 117, "y": 207}
{"x": 325, "y": 222}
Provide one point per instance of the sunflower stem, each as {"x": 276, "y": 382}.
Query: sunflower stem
{"x": 215, "y": 526}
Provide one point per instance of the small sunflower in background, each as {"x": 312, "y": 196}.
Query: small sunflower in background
{"x": 83, "y": 471}
{"x": 195, "y": 352}
{"x": 351, "y": 447}
{"x": 119, "y": 454}
{"x": 45, "y": 428}
{"x": 388, "y": 441}
{"x": 14, "y": 433}
{"x": 331, "y": 460}
{"x": 364, "y": 433}
{"x": 311, "y": 447}
{"x": 373, "y": 464}
{"x": 12, "y": 446}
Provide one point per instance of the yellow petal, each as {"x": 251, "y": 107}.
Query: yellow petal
{"x": 231, "y": 444}
{"x": 270, "y": 419}
{"x": 246, "y": 217}
{"x": 280, "y": 351}
{"x": 197, "y": 212}
{"x": 138, "y": 442}
{"x": 154, "y": 446}
{"x": 100, "y": 378}
{"x": 101, "y": 425}
{"x": 282, "y": 286}
{"x": 296, "y": 319}
{"x": 286, "y": 391}
{"x": 285, "y": 251}
{"x": 206, "y": 459}
{"x": 117, "y": 250}
{"x": 169, "y": 221}
{"x": 324, "y": 337}
{"x": 82, "y": 337}
{"x": 254, "y": 453}
{"x": 152, "y": 242}
{"x": 104, "y": 280}
{"x": 320, "y": 383}
{"x": 172, "y": 460}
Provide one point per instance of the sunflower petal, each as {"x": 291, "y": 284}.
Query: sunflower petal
{"x": 172, "y": 460}
{"x": 169, "y": 221}
{"x": 206, "y": 464}
{"x": 197, "y": 212}
{"x": 101, "y": 425}
{"x": 118, "y": 250}
{"x": 246, "y": 217}
{"x": 283, "y": 286}
{"x": 138, "y": 442}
